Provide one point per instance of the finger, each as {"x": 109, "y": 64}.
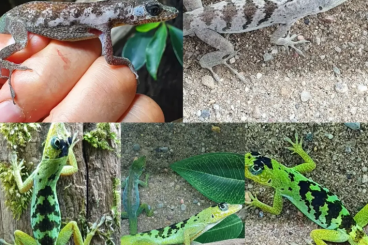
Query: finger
{"x": 35, "y": 44}
{"x": 56, "y": 69}
{"x": 103, "y": 94}
{"x": 143, "y": 109}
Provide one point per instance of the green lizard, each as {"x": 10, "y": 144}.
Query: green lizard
{"x": 131, "y": 201}
{"x": 45, "y": 211}
{"x": 315, "y": 201}
{"x": 186, "y": 231}
{"x": 74, "y": 22}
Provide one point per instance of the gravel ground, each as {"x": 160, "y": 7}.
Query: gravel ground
{"x": 339, "y": 152}
{"x": 329, "y": 84}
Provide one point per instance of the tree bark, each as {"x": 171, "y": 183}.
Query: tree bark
{"x": 89, "y": 191}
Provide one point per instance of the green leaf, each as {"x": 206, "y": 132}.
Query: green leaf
{"x": 135, "y": 48}
{"x": 176, "y": 36}
{"x": 155, "y": 50}
{"x": 218, "y": 176}
{"x": 229, "y": 228}
{"x": 147, "y": 27}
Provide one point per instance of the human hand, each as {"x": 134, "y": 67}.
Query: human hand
{"x": 71, "y": 82}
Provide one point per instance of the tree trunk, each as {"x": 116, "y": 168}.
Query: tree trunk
{"x": 89, "y": 192}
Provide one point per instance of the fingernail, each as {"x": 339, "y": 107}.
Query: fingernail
{"x": 10, "y": 112}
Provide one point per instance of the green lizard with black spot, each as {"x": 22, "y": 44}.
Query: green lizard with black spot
{"x": 131, "y": 201}
{"x": 313, "y": 200}
{"x": 45, "y": 211}
{"x": 184, "y": 232}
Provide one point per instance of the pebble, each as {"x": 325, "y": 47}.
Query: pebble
{"x": 365, "y": 178}
{"x": 208, "y": 81}
{"x": 160, "y": 205}
{"x": 136, "y": 147}
{"x": 216, "y": 107}
{"x": 259, "y": 75}
{"x": 364, "y": 169}
{"x": 341, "y": 87}
{"x": 195, "y": 201}
{"x": 257, "y": 113}
{"x": 336, "y": 70}
{"x": 163, "y": 149}
{"x": 305, "y": 96}
{"x": 338, "y": 49}
{"x": 232, "y": 60}
{"x": 267, "y": 57}
{"x": 362, "y": 88}
{"x": 183, "y": 207}
{"x": 329, "y": 136}
{"x": 205, "y": 113}
{"x": 353, "y": 126}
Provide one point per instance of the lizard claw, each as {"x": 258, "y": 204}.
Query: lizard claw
{"x": 295, "y": 147}
{"x": 250, "y": 196}
{"x": 288, "y": 41}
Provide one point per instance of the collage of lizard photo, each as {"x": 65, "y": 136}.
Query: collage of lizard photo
{"x": 184, "y": 122}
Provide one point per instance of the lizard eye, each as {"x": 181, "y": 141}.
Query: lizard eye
{"x": 223, "y": 206}
{"x": 154, "y": 9}
{"x": 55, "y": 143}
{"x": 255, "y": 171}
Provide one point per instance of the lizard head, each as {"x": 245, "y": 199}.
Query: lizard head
{"x": 58, "y": 142}
{"x": 139, "y": 164}
{"x": 258, "y": 168}
{"x": 215, "y": 214}
{"x": 149, "y": 11}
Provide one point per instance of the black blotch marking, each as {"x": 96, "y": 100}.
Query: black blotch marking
{"x": 291, "y": 176}
{"x": 250, "y": 10}
{"x": 261, "y": 161}
{"x": 347, "y": 223}
{"x": 47, "y": 240}
{"x": 269, "y": 9}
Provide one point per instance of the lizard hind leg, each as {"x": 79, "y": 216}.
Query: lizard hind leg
{"x": 362, "y": 217}
{"x": 321, "y": 235}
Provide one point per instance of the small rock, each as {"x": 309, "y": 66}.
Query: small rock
{"x": 216, "y": 107}
{"x": 136, "y": 147}
{"x": 364, "y": 169}
{"x": 259, "y": 75}
{"x": 365, "y": 178}
{"x": 195, "y": 201}
{"x": 160, "y": 205}
{"x": 362, "y": 88}
{"x": 338, "y": 49}
{"x": 329, "y": 136}
{"x": 208, "y": 81}
{"x": 353, "y": 126}
{"x": 163, "y": 149}
{"x": 183, "y": 207}
{"x": 205, "y": 114}
{"x": 257, "y": 113}
{"x": 341, "y": 87}
{"x": 232, "y": 60}
{"x": 267, "y": 57}
{"x": 305, "y": 96}
{"x": 336, "y": 70}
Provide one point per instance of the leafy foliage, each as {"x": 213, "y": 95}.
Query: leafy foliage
{"x": 147, "y": 46}
{"x": 229, "y": 228}
{"x": 18, "y": 134}
{"x": 17, "y": 202}
{"x": 218, "y": 176}
{"x": 101, "y": 136}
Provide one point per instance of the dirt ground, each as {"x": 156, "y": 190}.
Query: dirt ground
{"x": 329, "y": 84}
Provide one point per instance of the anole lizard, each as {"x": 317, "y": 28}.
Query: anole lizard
{"x": 186, "y": 231}
{"x": 131, "y": 201}
{"x": 238, "y": 16}
{"x": 315, "y": 201}
{"x": 45, "y": 211}
{"x": 74, "y": 22}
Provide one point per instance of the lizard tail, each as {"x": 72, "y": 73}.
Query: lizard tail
{"x": 133, "y": 226}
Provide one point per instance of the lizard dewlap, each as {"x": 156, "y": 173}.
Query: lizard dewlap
{"x": 186, "y": 231}
{"x": 313, "y": 200}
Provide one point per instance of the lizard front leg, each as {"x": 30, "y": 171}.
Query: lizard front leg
{"x": 191, "y": 233}
{"x": 212, "y": 59}
{"x": 321, "y": 235}
{"x": 107, "y": 50}
{"x": 276, "y": 206}
{"x": 282, "y": 37}
{"x": 28, "y": 183}
{"x": 20, "y": 34}
{"x": 297, "y": 148}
